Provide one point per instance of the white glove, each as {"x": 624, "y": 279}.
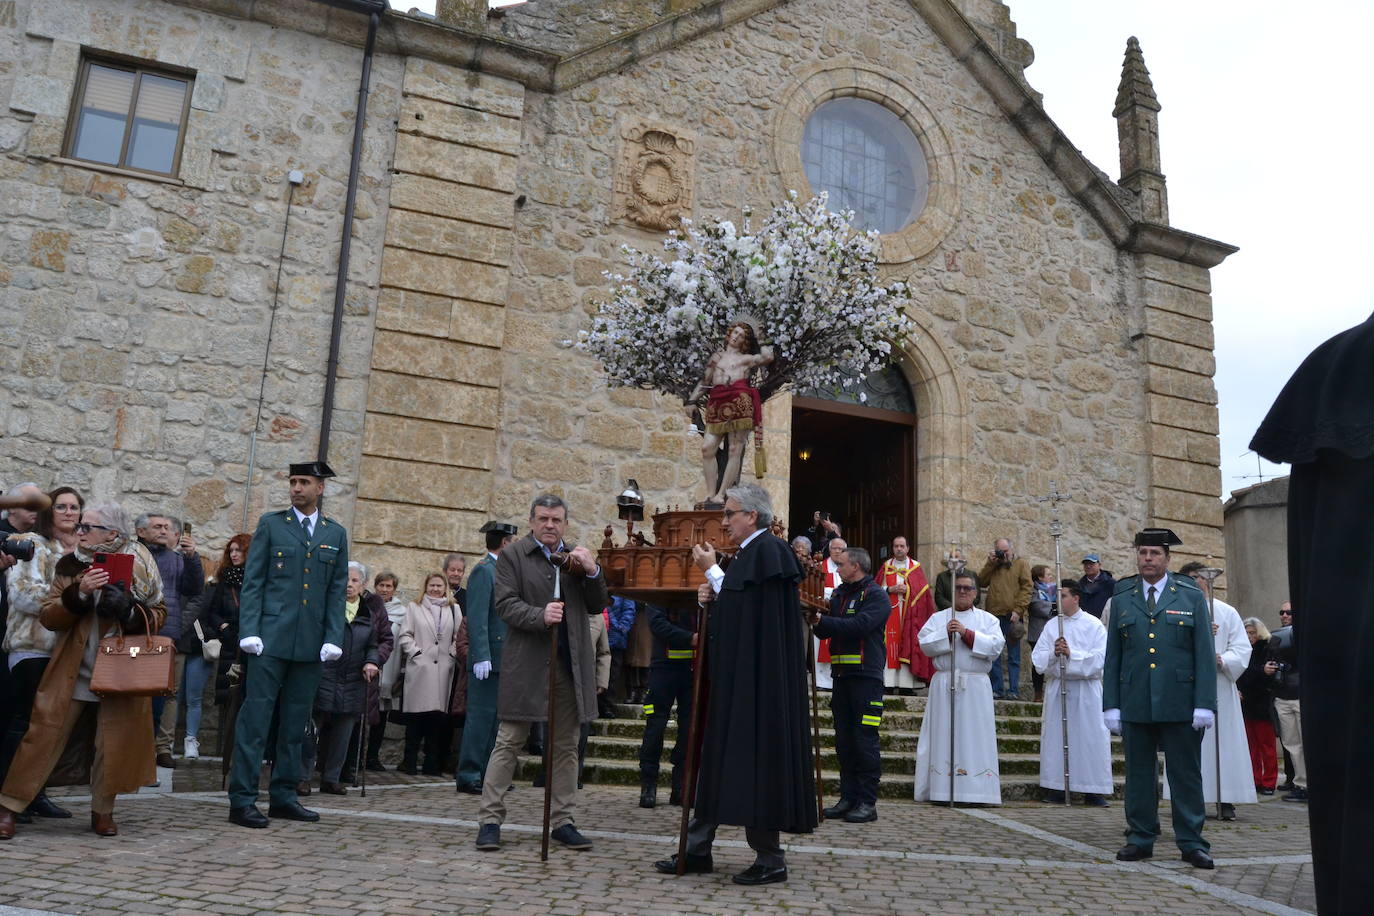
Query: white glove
{"x": 1204, "y": 719}
{"x": 329, "y": 652}
{"x": 1112, "y": 719}
{"x": 481, "y": 670}
{"x": 251, "y": 644}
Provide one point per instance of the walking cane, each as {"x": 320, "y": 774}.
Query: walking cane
{"x": 548, "y": 737}
{"x": 815, "y": 725}
{"x": 1210, "y": 573}
{"x": 694, "y": 724}
{"x": 362, "y": 751}
{"x": 1057, "y": 532}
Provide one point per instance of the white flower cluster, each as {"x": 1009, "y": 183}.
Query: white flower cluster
{"x": 806, "y": 277}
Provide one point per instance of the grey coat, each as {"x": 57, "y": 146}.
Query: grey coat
{"x": 524, "y": 584}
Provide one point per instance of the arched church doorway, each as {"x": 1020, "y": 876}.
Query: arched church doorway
{"x": 856, "y": 459}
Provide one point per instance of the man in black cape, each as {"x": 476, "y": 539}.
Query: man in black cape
{"x": 755, "y": 765}
{"x": 1323, "y": 424}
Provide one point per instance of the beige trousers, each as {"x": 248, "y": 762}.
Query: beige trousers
{"x": 510, "y": 738}
{"x": 102, "y": 800}
{"x": 1290, "y": 735}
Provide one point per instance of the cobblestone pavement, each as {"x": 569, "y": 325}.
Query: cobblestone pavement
{"x": 408, "y": 848}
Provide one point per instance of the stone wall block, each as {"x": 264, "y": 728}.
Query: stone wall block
{"x": 1176, "y": 273}
{"x": 40, "y": 95}
{"x": 443, "y": 276}
{"x": 1185, "y": 475}
{"x": 458, "y": 86}
{"x": 409, "y": 396}
{"x": 455, "y": 162}
{"x": 438, "y": 235}
{"x": 1178, "y": 384}
{"x": 460, "y": 125}
{"x": 421, "y": 484}
{"x": 412, "y": 312}
{"x": 435, "y": 358}
{"x": 1176, "y": 412}
{"x": 477, "y": 323}
{"x": 1180, "y": 299}
{"x": 1186, "y": 357}
{"x": 443, "y": 198}
{"x": 390, "y": 436}
{"x": 1179, "y": 328}
{"x": 421, "y": 527}
{"x": 614, "y": 430}
{"x": 1177, "y": 505}
{"x": 1185, "y": 445}
{"x": 538, "y": 465}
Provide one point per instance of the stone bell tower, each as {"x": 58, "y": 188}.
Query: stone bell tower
{"x": 1137, "y": 131}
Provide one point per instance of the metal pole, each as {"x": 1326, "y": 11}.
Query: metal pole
{"x": 952, "y": 563}
{"x": 549, "y": 731}
{"x": 1057, "y": 532}
{"x": 1211, "y": 573}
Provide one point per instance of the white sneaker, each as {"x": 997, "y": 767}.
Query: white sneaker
{"x": 192, "y": 749}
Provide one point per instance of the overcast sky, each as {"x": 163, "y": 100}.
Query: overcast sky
{"x": 1265, "y": 142}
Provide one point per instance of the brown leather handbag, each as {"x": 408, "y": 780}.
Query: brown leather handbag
{"x": 137, "y": 665}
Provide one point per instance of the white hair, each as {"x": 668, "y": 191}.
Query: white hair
{"x": 753, "y": 498}
{"x": 362, "y": 569}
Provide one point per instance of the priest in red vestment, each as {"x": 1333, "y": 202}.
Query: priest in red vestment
{"x": 912, "y": 604}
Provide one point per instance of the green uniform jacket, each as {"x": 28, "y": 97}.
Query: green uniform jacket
{"x": 486, "y": 629}
{"x": 293, "y": 589}
{"x": 1160, "y": 668}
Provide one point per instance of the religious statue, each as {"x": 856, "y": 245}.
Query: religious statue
{"x": 730, "y": 410}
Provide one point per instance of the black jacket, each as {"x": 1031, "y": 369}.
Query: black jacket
{"x": 856, "y": 627}
{"x": 1096, "y": 594}
{"x": 1256, "y": 687}
{"x": 673, "y": 631}
{"x": 1283, "y": 648}
{"x": 342, "y": 688}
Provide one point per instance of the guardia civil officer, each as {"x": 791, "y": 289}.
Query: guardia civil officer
{"x": 486, "y": 635}
{"x": 291, "y": 620}
{"x": 670, "y": 684}
{"x": 1159, "y": 690}
{"x": 856, "y": 625}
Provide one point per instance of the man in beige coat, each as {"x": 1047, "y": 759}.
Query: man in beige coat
{"x": 537, "y": 608}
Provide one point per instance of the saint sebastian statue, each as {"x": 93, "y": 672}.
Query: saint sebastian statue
{"x": 731, "y": 408}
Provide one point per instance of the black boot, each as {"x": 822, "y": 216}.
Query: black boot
{"x": 648, "y": 792}
{"x": 675, "y": 795}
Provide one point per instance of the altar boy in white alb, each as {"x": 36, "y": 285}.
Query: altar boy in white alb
{"x": 978, "y": 640}
{"x": 1233, "y": 655}
{"x": 1084, "y": 650}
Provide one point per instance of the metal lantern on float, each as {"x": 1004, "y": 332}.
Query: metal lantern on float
{"x": 630, "y": 506}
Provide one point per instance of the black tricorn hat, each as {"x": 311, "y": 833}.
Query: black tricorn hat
{"x": 1157, "y": 537}
{"x": 312, "y": 469}
{"x": 503, "y": 527}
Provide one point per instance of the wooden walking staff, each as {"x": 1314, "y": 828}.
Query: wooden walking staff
{"x": 1210, "y": 573}
{"x": 694, "y": 725}
{"x": 1057, "y": 531}
{"x": 952, "y": 563}
{"x": 815, "y": 725}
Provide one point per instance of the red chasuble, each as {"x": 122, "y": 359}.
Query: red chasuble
{"x": 909, "y": 614}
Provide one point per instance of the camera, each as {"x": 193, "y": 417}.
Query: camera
{"x": 1282, "y": 667}
{"x": 20, "y": 550}
{"x": 1000, "y": 554}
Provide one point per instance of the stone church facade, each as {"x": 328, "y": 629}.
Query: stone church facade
{"x": 1064, "y": 327}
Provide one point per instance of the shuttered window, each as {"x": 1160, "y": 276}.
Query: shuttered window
{"x": 129, "y": 116}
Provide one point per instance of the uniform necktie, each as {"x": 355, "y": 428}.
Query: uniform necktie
{"x": 1150, "y": 601}
{"x": 305, "y": 523}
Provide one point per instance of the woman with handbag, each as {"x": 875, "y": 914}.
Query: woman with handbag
{"x": 217, "y": 618}
{"x": 428, "y": 647}
{"x": 110, "y": 741}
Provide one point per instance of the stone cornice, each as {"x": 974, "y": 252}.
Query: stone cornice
{"x": 544, "y": 71}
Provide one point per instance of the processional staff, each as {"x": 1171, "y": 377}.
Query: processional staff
{"x": 1210, "y": 573}
{"x": 1057, "y": 531}
{"x": 952, "y": 563}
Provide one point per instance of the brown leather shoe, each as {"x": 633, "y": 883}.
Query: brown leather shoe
{"x": 6, "y": 824}
{"x": 303, "y": 787}
{"x": 103, "y": 824}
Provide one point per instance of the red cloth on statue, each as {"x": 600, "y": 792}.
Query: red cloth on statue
{"x": 909, "y": 614}
{"x": 733, "y": 407}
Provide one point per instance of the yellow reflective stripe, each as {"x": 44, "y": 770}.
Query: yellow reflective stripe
{"x": 648, "y": 709}
{"x": 682, "y": 653}
{"x": 845, "y": 659}
{"x": 877, "y": 703}
{"x": 872, "y": 720}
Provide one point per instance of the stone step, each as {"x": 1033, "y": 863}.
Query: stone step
{"x": 893, "y": 723}
{"x": 626, "y": 747}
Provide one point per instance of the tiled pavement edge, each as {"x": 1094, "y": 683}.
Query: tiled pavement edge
{"x": 407, "y": 849}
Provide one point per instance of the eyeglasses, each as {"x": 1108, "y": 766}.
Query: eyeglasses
{"x": 731, "y": 513}
{"x": 84, "y": 528}
{"x": 965, "y": 588}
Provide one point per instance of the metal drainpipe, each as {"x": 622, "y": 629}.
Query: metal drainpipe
{"x": 341, "y": 281}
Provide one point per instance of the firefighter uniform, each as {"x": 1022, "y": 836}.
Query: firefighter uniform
{"x": 855, "y": 626}
{"x": 670, "y": 682}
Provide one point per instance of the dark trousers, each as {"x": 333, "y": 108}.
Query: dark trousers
{"x": 479, "y": 733}
{"x": 857, "y": 704}
{"x": 1182, "y": 745}
{"x": 24, "y": 680}
{"x": 288, "y": 688}
{"x": 375, "y": 735}
{"x": 669, "y": 686}
{"x": 765, "y": 843}
{"x": 434, "y": 730}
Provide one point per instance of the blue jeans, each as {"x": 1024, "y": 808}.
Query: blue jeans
{"x": 192, "y": 691}
{"x": 1013, "y": 654}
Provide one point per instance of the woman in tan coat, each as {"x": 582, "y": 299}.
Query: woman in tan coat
{"x": 112, "y": 737}
{"x": 428, "y": 645}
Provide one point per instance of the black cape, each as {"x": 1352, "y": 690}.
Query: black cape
{"x": 1323, "y": 424}
{"x": 756, "y": 764}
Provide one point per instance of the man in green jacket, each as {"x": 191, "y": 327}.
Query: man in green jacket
{"x": 1159, "y": 690}
{"x": 291, "y": 620}
{"x": 486, "y": 634}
